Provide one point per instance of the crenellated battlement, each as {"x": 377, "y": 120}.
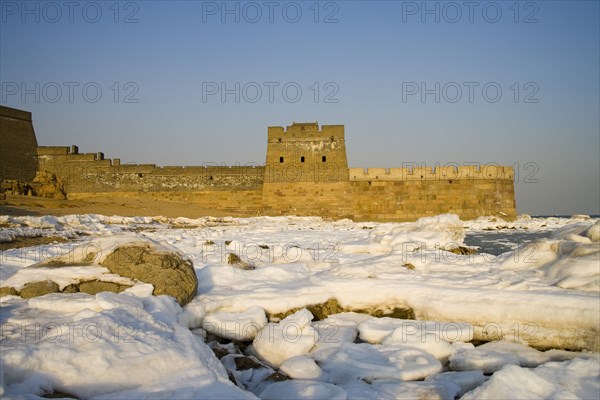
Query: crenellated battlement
{"x": 51, "y": 156}
{"x": 305, "y": 131}
{"x": 90, "y": 173}
{"x": 436, "y": 173}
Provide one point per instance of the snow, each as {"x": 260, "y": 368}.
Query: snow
{"x": 337, "y": 329}
{"x": 428, "y": 341}
{"x": 371, "y": 362}
{"x": 236, "y": 326}
{"x": 301, "y": 367}
{"x": 465, "y": 380}
{"x": 569, "y": 260}
{"x": 524, "y": 222}
{"x": 303, "y": 389}
{"x": 444, "y": 231}
{"x": 136, "y": 345}
{"x": 375, "y": 330}
{"x": 253, "y": 379}
{"x": 593, "y": 232}
{"x": 558, "y": 380}
{"x": 96, "y": 250}
{"x": 493, "y": 356}
{"x": 398, "y": 390}
{"x": 293, "y": 336}
{"x": 64, "y": 276}
{"x": 104, "y": 350}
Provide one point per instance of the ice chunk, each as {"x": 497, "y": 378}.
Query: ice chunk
{"x": 370, "y": 362}
{"x": 302, "y": 389}
{"x": 492, "y": 356}
{"x": 247, "y": 371}
{"x": 337, "y": 329}
{"x": 301, "y": 367}
{"x": 397, "y": 390}
{"x": 570, "y": 260}
{"x": 441, "y": 231}
{"x": 557, "y": 380}
{"x": 426, "y": 341}
{"x": 236, "y": 326}
{"x": 466, "y": 380}
{"x": 120, "y": 351}
{"x": 593, "y": 233}
{"x": 292, "y": 336}
{"x": 192, "y": 315}
{"x": 76, "y": 302}
{"x": 376, "y": 329}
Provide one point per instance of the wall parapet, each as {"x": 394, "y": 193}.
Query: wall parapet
{"x": 15, "y": 113}
{"x": 422, "y": 173}
{"x": 306, "y": 131}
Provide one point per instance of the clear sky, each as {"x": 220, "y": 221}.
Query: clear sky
{"x": 187, "y": 83}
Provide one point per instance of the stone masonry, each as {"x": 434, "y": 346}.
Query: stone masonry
{"x": 306, "y": 173}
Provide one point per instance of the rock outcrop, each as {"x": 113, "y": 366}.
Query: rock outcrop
{"x": 128, "y": 256}
{"x": 48, "y": 185}
{"x": 168, "y": 272}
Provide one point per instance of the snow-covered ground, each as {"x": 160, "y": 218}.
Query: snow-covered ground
{"x": 536, "y": 306}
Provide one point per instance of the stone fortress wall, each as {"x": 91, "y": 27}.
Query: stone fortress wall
{"x": 18, "y": 145}
{"x": 306, "y": 173}
{"x": 322, "y": 184}
{"x": 237, "y": 188}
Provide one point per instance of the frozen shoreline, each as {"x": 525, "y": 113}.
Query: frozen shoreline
{"x": 543, "y": 294}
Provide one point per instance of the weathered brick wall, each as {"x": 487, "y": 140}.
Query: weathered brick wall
{"x": 406, "y": 194}
{"x": 236, "y": 202}
{"x": 17, "y": 145}
{"x": 410, "y": 200}
{"x": 326, "y": 199}
{"x": 91, "y": 173}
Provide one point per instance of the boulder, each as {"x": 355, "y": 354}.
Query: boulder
{"x": 48, "y": 185}
{"x": 95, "y": 287}
{"x": 168, "y": 272}
{"x": 130, "y": 256}
{"x": 8, "y": 291}
{"x": 238, "y": 262}
{"x": 13, "y": 186}
{"x": 35, "y": 289}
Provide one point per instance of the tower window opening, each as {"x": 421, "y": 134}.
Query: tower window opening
{"x": 324, "y": 159}
{"x": 302, "y": 159}
{"x": 280, "y": 159}
{"x": 279, "y": 140}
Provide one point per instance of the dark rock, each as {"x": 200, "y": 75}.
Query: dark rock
{"x": 243, "y": 363}
{"x": 462, "y": 250}
{"x": 71, "y": 289}
{"x": 236, "y": 261}
{"x": 220, "y": 352}
{"x": 95, "y": 287}
{"x": 277, "y": 377}
{"x": 320, "y": 311}
{"x": 232, "y": 378}
{"x": 7, "y": 291}
{"x": 36, "y": 289}
{"x": 58, "y": 395}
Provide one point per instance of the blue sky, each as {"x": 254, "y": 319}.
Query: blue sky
{"x": 362, "y": 64}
